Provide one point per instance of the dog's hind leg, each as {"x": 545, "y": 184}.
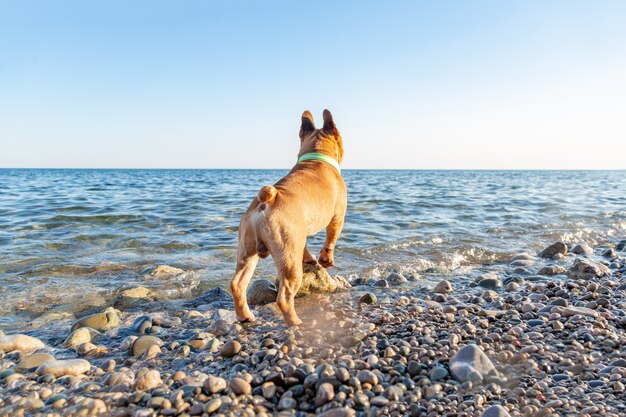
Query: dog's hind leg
{"x": 247, "y": 259}
{"x": 239, "y": 286}
{"x": 308, "y": 258}
{"x": 290, "y": 273}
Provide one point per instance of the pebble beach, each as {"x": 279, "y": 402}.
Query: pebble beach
{"x": 543, "y": 336}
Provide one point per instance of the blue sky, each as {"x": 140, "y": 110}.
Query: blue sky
{"x": 222, "y": 84}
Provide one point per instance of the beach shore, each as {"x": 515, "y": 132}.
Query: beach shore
{"x": 546, "y": 339}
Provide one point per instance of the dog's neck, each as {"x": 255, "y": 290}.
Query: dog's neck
{"x": 317, "y": 156}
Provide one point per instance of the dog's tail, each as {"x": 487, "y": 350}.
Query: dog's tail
{"x": 267, "y": 194}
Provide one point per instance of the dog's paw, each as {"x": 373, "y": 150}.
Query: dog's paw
{"x": 247, "y": 319}
{"x": 327, "y": 263}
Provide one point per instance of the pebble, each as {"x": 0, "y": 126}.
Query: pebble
{"x": 239, "y": 386}
{"x": 79, "y": 336}
{"x": 230, "y": 349}
{"x": 101, "y": 322}
{"x": 367, "y": 377}
{"x": 143, "y": 343}
{"x": 471, "y": 364}
{"x": 496, "y": 411}
{"x": 149, "y": 380}
{"x": 287, "y": 403}
{"x": 213, "y": 405}
{"x": 325, "y": 393}
{"x": 438, "y": 373}
{"x": 554, "y": 249}
{"x": 339, "y": 412}
{"x": 33, "y": 361}
{"x": 19, "y": 342}
{"x": 587, "y": 269}
{"x": 220, "y": 327}
{"x": 552, "y": 270}
{"x": 582, "y": 249}
{"x": 368, "y": 298}
{"x": 58, "y": 368}
{"x": 214, "y": 384}
{"x": 443, "y": 287}
{"x": 261, "y": 292}
{"x": 396, "y": 279}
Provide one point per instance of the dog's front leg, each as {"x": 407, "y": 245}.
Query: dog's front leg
{"x": 327, "y": 260}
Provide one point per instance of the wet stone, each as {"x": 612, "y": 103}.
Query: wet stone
{"x": 142, "y": 324}
{"x": 101, "y": 322}
{"x": 368, "y": 298}
{"x": 582, "y": 249}
{"x": 443, "y": 287}
{"x": 554, "y": 249}
{"x": 396, "y": 279}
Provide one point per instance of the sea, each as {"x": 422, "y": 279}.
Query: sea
{"x": 72, "y": 239}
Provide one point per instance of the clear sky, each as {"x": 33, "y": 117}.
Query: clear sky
{"x": 222, "y": 84}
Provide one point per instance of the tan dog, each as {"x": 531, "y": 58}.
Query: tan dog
{"x": 310, "y": 198}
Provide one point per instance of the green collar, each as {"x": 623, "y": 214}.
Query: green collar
{"x": 316, "y": 156}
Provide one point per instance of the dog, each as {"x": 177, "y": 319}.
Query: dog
{"x": 311, "y": 197}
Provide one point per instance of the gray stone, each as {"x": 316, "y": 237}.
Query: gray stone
{"x": 261, "y": 292}
{"x": 496, "y": 411}
{"x": 214, "y": 384}
{"x": 142, "y": 324}
{"x": 381, "y": 283}
{"x": 587, "y": 269}
{"x": 367, "y": 377}
{"x": 551, "y": 270}
{"x": 582, "y": 249}
{"x": 471, "y": 364}
{"x": 368, "y": 298}
{"x": 219, "y": 328}
{"x": 396, "y": 279}
{"x": 555, "y": 248}
{"x": 443, "y": 287}
{"x": 438, "y": 373}
{"x": 490, "y": 282}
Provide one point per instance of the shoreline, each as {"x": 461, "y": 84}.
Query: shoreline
{"x": 548, "y": 343}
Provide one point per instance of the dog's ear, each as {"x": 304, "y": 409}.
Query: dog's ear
{"x": 329, "y": 125}
{"x": 307, "y": 124}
